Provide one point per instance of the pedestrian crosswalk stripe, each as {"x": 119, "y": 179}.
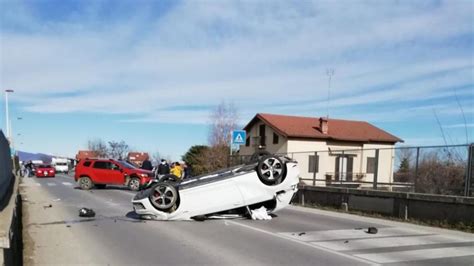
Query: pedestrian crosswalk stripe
{"x": 386, "y": 242}
{"x": 415, "y": 255}
{"x": 345, "y": 234}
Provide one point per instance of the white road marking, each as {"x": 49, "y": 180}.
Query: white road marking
{"x": 51, "y": 184}
{"x": 414, "y": 255}
{"x": 342, "y": 245}
{"x": 282, "y": 236}
{"x": 67, "y": 183}
{"x": 346, "y": 234}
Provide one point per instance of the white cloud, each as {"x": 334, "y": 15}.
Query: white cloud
{"x": 467, "y": 125}
{"x": 258, "y": 54}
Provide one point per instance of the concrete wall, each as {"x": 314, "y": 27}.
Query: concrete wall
{"x": 421, "y": 207}
{"x": 5, "y": 167}
{"x": 11, "y": 252}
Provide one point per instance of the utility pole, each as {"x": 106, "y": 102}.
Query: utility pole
{"x": 329, "y": 73}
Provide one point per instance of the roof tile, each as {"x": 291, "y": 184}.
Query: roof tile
{"x": 309, "y": 127}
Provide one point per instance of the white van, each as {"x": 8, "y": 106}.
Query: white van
{"x": 60, "y": 165}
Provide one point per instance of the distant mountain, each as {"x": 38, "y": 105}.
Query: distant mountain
{"x": 27, "y": 156}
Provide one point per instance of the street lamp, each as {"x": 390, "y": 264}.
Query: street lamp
{"x": 6, "y": 114}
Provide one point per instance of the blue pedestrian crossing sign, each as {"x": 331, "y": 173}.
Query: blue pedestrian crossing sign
{"x": 238, "y": 137}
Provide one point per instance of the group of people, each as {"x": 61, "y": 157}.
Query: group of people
{"x": 26, "y": 169}
{"x": 179, "y": 169}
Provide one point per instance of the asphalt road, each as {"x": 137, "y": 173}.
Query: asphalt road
{"x": 297, "y": 236}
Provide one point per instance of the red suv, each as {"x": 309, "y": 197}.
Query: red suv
{"x": 102, "y": 172}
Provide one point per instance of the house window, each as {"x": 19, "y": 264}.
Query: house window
{"x": 262, "y": 135}
{"x": 275, "y": 138}
{"x": 313, "y": 164}
{"x": 370, "y": 165}
{"x": 247, "y": 142}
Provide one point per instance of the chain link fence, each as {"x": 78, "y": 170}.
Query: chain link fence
{"x": 444, "y": 170}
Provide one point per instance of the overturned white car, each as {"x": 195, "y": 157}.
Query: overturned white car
{"x": 269, "y": 181}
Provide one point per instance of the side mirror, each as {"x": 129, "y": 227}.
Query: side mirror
{"x": 121, "y": 170}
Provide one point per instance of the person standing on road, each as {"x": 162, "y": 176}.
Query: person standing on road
{"x": 28, "y": 168}
{"x": 163, "y": 168}
{"x": 187, "y": 170}
{"x": 176, "y": 170}
{"x": 146, "y": 165}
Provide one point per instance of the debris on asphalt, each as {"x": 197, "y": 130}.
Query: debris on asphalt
{"x": 372, "y": 230}
{"x": 302, "y": 233}
{"x": 199, "y": 218}
{"x": 48, "y": 206}
{"x": 347, "y": 241}
{"x": 68, "y": 226}
{"x": 86, "y": 212}
{"x": 260, "y": 214}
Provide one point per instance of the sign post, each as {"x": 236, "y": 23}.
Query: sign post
{"x": 238, "y": 138}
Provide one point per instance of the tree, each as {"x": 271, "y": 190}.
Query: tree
{"x": 223, "y": 121}
{"x": 155, "y": 158}
{"x": 196, "y": 158}
{"x": 404, "y": 165}
{"x": 118, "y": 150}
{"x": 98, "y": 146}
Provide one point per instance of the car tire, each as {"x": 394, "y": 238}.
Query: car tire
{"x": 85, "y": 183}
{"x": 271, "y": 170}
{"x": 163, "y": 196}
{"x": 134, "y": 184}
{"x": 258, "y": 155}
{"x": 100, "y": 186}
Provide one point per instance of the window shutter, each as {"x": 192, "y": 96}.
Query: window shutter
{"x": 313, "y": 164}
{"x": 370, "y": 165}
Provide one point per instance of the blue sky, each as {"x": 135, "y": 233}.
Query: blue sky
{"x": 150, "y": 72}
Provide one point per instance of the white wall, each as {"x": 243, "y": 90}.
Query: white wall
{"x": 386, "y": 161}
{"x": 281, "y": 147}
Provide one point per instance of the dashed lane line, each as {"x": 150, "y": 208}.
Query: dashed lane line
{"x": 359, "y": 259}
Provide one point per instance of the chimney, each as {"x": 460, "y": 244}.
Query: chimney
{"x": 323, "y": 125}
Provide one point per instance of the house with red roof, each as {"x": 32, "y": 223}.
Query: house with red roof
{"x": 85, "y": 154}
{"x": 137, "y": 158}
{"x": 326, "y": 149}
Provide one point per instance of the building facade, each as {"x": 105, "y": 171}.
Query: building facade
{"x": 137, "y": 158}
{"x": 327, "y": 150}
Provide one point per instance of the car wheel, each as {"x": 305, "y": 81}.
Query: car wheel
{"x": 85, "y": 183}
{"x": 163, "y": 196}
{"x": 100, "y": 186}
{"x": 258, "y": 155}
{"x": 271, "y": 170}
{"x": 134, "y": 184}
